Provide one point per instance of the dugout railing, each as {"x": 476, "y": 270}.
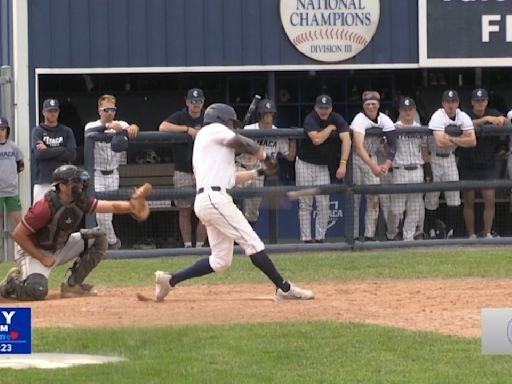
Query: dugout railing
{"x": 347, "y": 189}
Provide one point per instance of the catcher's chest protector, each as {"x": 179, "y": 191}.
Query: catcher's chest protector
{"x": 65, "y": 220}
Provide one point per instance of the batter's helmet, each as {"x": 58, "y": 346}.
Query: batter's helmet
{"x": 69, "y": 172}
{"x": 219, "y": 113}
{"x": 5, "y": 124}
{"x": 266, "y": 106}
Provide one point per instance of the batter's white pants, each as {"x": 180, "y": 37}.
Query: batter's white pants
{"x": 104, "y": 183}
{"x": 225, "y": 223}
{"x": 363, "y": 176}
{"x": 308, "y": 174}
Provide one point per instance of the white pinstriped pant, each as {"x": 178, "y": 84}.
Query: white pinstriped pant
{"x": 308, "y": 174}
{"x": 443, "y": 169}
{"x": 412, "y": 203}
{"x": 363, "y": 176}
{"x": 104, "y": 183}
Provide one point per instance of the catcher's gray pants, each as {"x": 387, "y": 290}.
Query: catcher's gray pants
{"x": 363, "y": 176}
{"x": 308, "y": 174}
{"x": 412, "y": 203}
{"x": 443, "y": 169}
{"x": 106, "y": 183}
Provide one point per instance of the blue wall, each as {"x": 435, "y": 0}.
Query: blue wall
{"x": 159, "y": 33}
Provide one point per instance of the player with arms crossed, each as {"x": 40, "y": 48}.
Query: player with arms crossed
{"x": 47, "y": 237}
{"x": 224, "y": 222}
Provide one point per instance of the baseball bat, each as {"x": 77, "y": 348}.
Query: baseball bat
{"x": 251, "y": 109}
{"x": 294, "y": 195}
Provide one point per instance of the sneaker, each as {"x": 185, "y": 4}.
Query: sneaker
{"x": 295, "y": 293}
{"x": 162, "y": 285}
{"x": 9, "y": 282}
{"x": 77, "y": 290}
{"x": 473, "y": 236}
{"x": 115, "y": 245}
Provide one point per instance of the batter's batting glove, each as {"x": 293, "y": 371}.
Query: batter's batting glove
{"x": 270, "y": 167}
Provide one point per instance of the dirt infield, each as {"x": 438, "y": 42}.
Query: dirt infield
{"x": 444, "y": 306}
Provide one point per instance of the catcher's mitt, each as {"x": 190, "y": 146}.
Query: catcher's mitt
{"x": 139, "y": 208}
{"x": 269, "y": 168}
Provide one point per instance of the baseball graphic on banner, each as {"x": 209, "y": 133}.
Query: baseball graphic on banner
{"x": 330, "y": 30}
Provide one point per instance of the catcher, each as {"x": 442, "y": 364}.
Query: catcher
{"x": 47, "y": 237}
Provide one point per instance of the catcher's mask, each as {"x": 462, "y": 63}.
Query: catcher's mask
{"x": 220, "y": 113}
{"x": 69, "y": 173}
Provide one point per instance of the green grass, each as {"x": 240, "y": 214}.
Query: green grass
{"x": 310, "y": 352}
{"x": 326, "y": 266}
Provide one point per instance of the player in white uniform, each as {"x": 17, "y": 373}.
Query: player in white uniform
{"x": 442, "y": 158}
{"x": 224, "y": 222}
{"x": 407, "y": 169}
{"x": 106, "y": 161}
{"x": 272, "y": 147}
{"x": 367, "y": 170}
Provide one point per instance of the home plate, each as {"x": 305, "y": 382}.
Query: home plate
{"x": 54, "y": 360}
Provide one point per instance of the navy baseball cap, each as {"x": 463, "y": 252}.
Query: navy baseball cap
{"x": 195, "y": 94}
{"x": 119, "y": 142}
{"x": 323, "y": 101}
{"x": 479, "y": 94}
{"x": 450, "y": 95}
{"x": 50, "y": 104}
{"x": 3, "y": 122}
{"x": 407, "y": 102}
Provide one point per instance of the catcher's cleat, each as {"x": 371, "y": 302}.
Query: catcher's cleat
{"x": 162, "y": 285}
{"x": 9, "y": 283}
{"x": 77, "y": 290}
{"x": 295, "y": 293}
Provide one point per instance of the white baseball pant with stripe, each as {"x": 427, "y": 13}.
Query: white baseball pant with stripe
{"x": 104, "y": 183}
{"x": 443, "y": 169}
{"x": 363, "y": 175}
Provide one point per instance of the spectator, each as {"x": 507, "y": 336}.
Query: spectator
{"x": 11, "y": 164}
{"x": 312, "y": 164}
{"x": 367, "y": 169}
{"x": 108, "y": 156}
{"x": 273, "y": 147}
{"x": 52, "y": 145}
{"x": 444, "y": 166}
{"x": 189, "y": 121}
{"x": 479, "y": 162}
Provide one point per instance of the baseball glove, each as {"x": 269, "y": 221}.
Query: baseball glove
{"x": 269, "y": 168}
{"x": 139, "y": 208}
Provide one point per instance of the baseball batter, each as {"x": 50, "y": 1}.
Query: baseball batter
{"x": 224, "y": 222}
{"x": 106, "y": 161}
{"x": 272, "y": 147}
{"x": 444, "y": 166}
{"x": 367, "y": 170}
{"x": 407, "y": 169}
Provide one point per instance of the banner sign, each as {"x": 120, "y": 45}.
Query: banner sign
{"x": 330, "y": 30}
{"x": 15, "y": 330}
{"x": 465, "y": 31}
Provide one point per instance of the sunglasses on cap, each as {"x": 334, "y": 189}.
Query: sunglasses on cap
{"x": 196, "y": 101}
{"x": 109, "y": 109}
{"x": 81, "y": 176}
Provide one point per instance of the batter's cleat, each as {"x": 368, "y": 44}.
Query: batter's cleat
{"x": 78, "y": 290}
{"x": 10, "y": 282}
{"x": 295, "y": 293}
{"x": 162, "y": 285}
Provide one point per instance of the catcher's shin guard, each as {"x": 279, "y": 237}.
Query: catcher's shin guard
{"x": 91, "y": 257}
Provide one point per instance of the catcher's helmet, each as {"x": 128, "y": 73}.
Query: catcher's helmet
{"x": 69, "y": 172}
{"x": 5, "y": 124}
{"x": 219, "y": 113}
{"x": 266, "y": 106}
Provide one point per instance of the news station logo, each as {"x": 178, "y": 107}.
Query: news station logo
{"x": 15, "y": 330}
